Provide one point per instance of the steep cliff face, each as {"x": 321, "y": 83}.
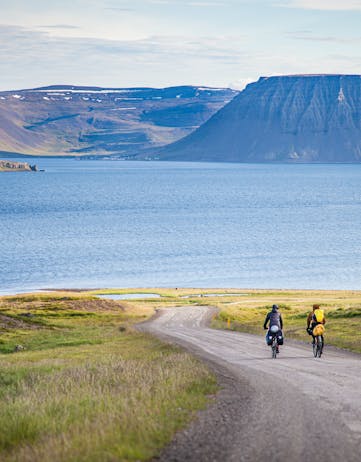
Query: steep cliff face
{"x": 302, "y": 118}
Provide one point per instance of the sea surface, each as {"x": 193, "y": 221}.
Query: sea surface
{"x": 97, "y": 224}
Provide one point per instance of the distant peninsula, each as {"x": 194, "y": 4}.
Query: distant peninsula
{"x": 10, "y": 166}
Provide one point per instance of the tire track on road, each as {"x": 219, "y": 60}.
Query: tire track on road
{"x": 294, "y": 408}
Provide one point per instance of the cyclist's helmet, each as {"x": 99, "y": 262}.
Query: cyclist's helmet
{"x": 274, "y": 307}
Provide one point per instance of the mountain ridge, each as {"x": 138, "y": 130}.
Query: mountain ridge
{"x": 68, "y": 120}
{"x": 296, "y": 118}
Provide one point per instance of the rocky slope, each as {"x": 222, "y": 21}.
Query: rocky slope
{"x": 66, "y": 120}
{"x": 9, "y": 166}
{"x": 301, "y": 118}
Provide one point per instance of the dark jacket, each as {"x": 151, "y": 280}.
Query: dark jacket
{"x": 274, "y": 318}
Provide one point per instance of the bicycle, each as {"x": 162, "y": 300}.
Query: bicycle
{"x": 318, "y": 343}
{"x": 274, "y": 347}
{"x": 317, "y": 346}
{"x": 274, "y": 338}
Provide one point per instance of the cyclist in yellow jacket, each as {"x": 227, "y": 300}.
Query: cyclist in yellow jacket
{"x": 316, "y": 316}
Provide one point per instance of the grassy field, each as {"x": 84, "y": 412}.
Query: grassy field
{"x": 245, "y": 310}
{"x": 87, "y": 386}
{"x": 342, "y": 311}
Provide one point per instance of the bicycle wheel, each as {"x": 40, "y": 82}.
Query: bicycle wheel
{"x": 314, "y": 348}
{"x": 274, "y": 349}
{"x": 319, "y": 346}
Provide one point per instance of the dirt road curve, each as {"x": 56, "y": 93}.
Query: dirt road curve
{"x": 294, "y": 408}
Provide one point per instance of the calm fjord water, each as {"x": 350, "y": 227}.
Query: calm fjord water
{"x": 138, "y": 224}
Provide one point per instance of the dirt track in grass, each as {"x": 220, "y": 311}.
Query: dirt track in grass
{"x": 274, "y": 410}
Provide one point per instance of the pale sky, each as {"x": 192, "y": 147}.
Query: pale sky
{"x": 222, "y": 43}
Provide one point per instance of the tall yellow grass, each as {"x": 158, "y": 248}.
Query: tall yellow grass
{"x": 119, "y": 399}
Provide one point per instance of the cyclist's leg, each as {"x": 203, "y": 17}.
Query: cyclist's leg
{"x": 279, "y": 340}
{"x": 313, "y": 325}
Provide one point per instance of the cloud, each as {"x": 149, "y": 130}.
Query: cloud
{"x": 207, "y": 4}
{"x": 44, "y": 44}
{"x": 326, "y": 5}
{"x": 199, "y": 3}
{"x": 119, "y": 9}
{"x": 310, "y": 37}
{"x": 58, "y": 26}
{"x": 36, "y": 57}
{"x": 240, "y": 84}
{"x": 40, "y": 58}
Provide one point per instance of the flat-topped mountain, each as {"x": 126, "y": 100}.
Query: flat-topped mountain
{"x": 300, "y": 118}
{"x": 120, "y": 122}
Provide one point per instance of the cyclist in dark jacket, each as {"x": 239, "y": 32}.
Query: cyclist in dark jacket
{"x": 274, "y": 318}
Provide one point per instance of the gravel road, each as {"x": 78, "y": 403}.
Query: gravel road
{"x": 294, "y": 408}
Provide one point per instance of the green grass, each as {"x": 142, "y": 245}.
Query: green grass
{"x": 246, "y": 312}
{"x": 88, "y": 387}
{"x": 342, "y": 310}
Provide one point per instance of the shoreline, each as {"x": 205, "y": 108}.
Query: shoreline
{"x": 195, "y": 291}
